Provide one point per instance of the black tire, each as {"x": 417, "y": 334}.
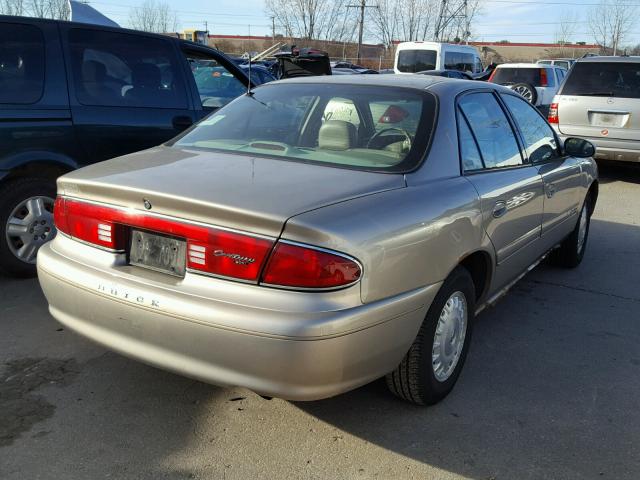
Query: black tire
{"x": 526, "y": 91}
{"x": 568, "y": 255}
{"x": 12, "y": 193}
{"x": 414, "y": 379}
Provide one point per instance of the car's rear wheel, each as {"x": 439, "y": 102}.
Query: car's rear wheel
{"x": 26, "y": 220}
{"x": 431, "y": 367}
{"x": 526, "y": 91}
{"x": 571, "y": 250}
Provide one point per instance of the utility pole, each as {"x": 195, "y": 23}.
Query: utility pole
{"x": 273, "y": 28}
{"x": 446, "y": 16}
{"x": 362, "y": 6}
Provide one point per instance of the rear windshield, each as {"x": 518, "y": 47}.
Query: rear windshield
{"x": 412, "y": 61}
{"x": 358, "y": 127}
{"x": 509, "y": 76}
{"x": 610, "y": 79}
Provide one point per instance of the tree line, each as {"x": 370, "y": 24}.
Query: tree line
{"x": 610, "y": 23}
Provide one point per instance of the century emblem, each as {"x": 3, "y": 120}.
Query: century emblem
{"x": 237, "y": 259}
{"x": 147, "y": 204}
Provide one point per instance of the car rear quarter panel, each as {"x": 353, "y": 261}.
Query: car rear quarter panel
{"x": 405, "y": 239}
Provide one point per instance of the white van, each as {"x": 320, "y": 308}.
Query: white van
{"x": 414, "y": 57}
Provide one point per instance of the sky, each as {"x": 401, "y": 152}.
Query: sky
{"x": 513, "y": 20}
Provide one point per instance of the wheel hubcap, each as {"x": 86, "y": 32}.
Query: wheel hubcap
{"x": 582, "y": 229}
{"x": 448, "y": 341}
{"x": 524, "y": 92}
{"x": 30, "y": 225}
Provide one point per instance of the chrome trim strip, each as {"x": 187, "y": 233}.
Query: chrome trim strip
{"x": 89, "y": 244}
{"x": 169, "y": 217}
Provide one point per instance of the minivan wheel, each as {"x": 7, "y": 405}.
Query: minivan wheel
{"x": 26, "y": 220}
{"x": 571, "y": 250}
{"x": 434, "y": 361}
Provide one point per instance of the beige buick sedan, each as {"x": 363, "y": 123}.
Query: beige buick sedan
{"x": 317, "y": 234}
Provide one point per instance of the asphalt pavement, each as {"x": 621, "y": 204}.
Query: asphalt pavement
{"x": 550, "y": 390}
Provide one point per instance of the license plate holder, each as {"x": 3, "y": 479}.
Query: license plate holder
{"x": 157, "y": 252}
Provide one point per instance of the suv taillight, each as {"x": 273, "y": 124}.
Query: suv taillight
{"x": 301, "y": 266}
{"x": 211, "y": 250}
{"x": 553, "y": 114}
{"x": 544, "y": 81}
{"x": 493, "y": 74}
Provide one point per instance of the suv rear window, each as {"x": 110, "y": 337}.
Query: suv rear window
{"x": 610, "y": 79}
{"x": 21, "y": 63}
{"x": 510, "y": 76}
{"x": 412, "y": 61}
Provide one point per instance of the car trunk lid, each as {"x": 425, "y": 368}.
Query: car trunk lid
{"x": 250, "y": 194}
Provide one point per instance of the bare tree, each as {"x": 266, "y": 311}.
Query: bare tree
{"x": 611, "y": 22}
{"x": 57, "y": 9}
{"x": 566, "y": 28}
{"x": 312, "y": 19}
{"x": 154, "y": 16}
{"x": 12, "y": 7}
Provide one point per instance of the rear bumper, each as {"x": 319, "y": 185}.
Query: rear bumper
{"x": 612, "y": 149}
{"x": 319, "y": 353}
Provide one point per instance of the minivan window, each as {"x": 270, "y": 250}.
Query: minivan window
{"x": 492, "y": 130}
{"x": 325, "y": 124}
{"x": 412, "y": 61}
{"x": 464, "y": 62}
{"x": 539, "y": 139}
{"x": 609, "y": 79}
{"x": 21, "y": 63}
{"x": 122, "y": 70}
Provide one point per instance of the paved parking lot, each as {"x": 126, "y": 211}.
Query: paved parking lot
{"x": 551, "y": 389}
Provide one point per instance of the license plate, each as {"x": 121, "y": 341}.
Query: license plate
{"x": 157, "y": 252}
{"x": 606, "y": 120}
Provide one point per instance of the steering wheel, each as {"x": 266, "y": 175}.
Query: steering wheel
{"x": 381, "y": 133}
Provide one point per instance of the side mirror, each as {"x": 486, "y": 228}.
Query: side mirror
{"x": 578, "y": 147}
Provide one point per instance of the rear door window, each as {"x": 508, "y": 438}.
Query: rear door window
{"x": 607, "y": 79}
{"x": 412, "y": 61}
{"x": 539, "y": 139}
{"x": 492, "y": 130}
{"x": 21, "y": 63}
{"x": 121, "y": 70}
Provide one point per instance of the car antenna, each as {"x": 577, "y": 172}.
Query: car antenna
{"x": 249, "y": 83}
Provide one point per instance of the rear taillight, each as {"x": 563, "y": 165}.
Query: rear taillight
{"x": 553, "y": 114}
{"x": 227, "y": 254}
{"x": 211, "y": 250}
{"x": 493, "y": 74}
{"x": 544, "y": 81}
{"x": 89, "y": 223}
{"x": 300, "y": 266}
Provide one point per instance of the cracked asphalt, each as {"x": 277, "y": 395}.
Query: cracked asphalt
{"x": 551, "y": 389}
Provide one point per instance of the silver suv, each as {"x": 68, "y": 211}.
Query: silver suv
{"x": 600, "y": 101}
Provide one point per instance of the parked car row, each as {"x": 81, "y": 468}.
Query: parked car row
{"x": 243, "y": 222}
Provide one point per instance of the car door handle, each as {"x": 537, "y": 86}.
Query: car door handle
{"x": 182, "y": 122}
{"x": 551, "y": 190}
{"x": 499, "y": 209}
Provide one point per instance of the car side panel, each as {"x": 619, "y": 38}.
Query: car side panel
{"x": 41, "y": 132}
{"x": 405, "y": 238}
